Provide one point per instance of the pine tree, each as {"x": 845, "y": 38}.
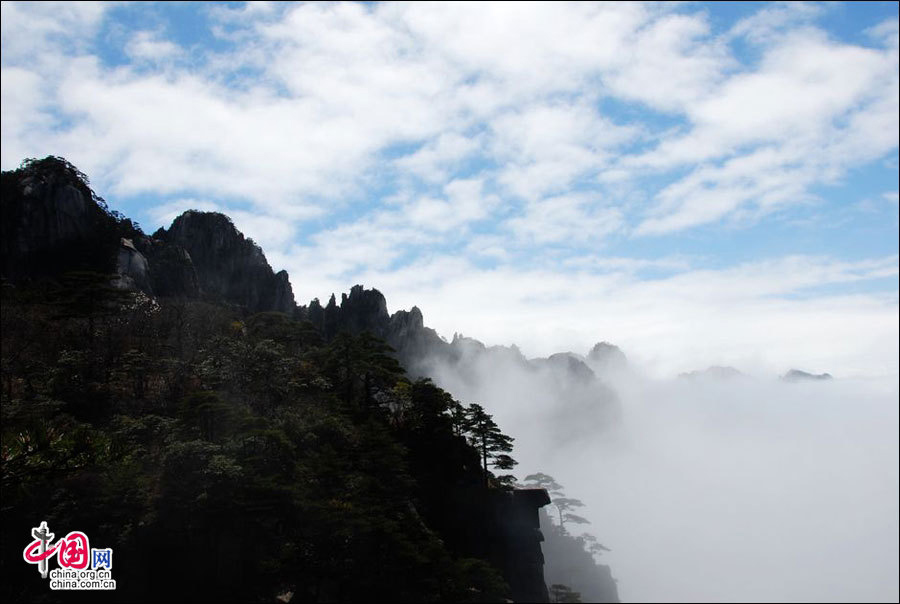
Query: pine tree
{"x": 493, "y": 445}
{"x": 564, "y": 505}
{"x": 545, "y": 481}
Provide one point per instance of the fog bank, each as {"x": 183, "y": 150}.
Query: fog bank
{"x": 710, "y": 488}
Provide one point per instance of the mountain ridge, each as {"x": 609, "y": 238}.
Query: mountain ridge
{"x": 51, "y": 215}
{"x": 54, "y": 222}
{"x": 236, "y": 329}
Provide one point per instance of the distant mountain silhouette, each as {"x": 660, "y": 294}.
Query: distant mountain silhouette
{"x": 796, "y": 375}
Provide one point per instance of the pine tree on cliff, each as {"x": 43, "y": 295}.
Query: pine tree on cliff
{"x": 493, "y": 445}
{"x": 564, "y": 505}
{"x": 544, "y": 481}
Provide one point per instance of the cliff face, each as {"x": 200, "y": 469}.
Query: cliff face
{"x": 132, "y": 268}
{"x": 53, "y": 223}
{"x": 228, "y": 266}
{"x": 172, "y": 273}
{"x": 524, "y": 558}
{"x": 569, "y": 564}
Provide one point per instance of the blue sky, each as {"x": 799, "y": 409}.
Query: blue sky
{"x": 700, "y": 183}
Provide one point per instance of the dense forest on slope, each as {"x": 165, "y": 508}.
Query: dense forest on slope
{"x": 227, "y": 454}
{"x": 242, "y": 452}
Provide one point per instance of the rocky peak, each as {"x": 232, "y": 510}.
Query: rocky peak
{"x": 364, "y": 310}
{"x": 229, "y": 266}
{"x": 416, "y": 320}
{"x": 467, "y": 343}
{"x": 568, "y": 365}
{"x": 404, "y": 324}
{"x": 53, "y": 222}
{"x": 209, "y": 235}
{"x": 605, "y": 358}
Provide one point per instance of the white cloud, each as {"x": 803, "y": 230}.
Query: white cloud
{"x": 888, "y": 32}
{"x": 21, "y": 98}
{"x": 406, "y": 144}
{"x": 813, "y": 110}
{"x": 487, "y": 163}
{"x": 464, "y": 202}
{"x": 766, "y": 177}
{"x": 545, "y": 147}
{"x": 435, "y": 160}
{"x": 767, "y": 24}
{"x": 494, "y": 247}
{"x": 628, "y": 265}
{"x": 149, "y": 45}
{"x": 164, "y": 214}
{"x": 801, "y": 87}
{"x": 761, "y": 316}
{"x": 36, "y": 31}
{"x": 323, "y": 91}
{"x": 670, "y": 64}
{"x": 569, "y": 219}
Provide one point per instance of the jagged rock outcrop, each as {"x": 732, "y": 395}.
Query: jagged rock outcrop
{"x": 405, "y": 325}
{"x": 414, "y": 343}
{"x": 366, "y": 310}
{"x": 229, "y": 267}
{"x": 331, "y": 317}
{"x": 464, "y": 345}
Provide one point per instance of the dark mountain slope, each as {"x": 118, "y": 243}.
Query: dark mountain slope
{"x": 227, "y": 454}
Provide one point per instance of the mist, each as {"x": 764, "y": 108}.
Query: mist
{"x": 711, "y": 487}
